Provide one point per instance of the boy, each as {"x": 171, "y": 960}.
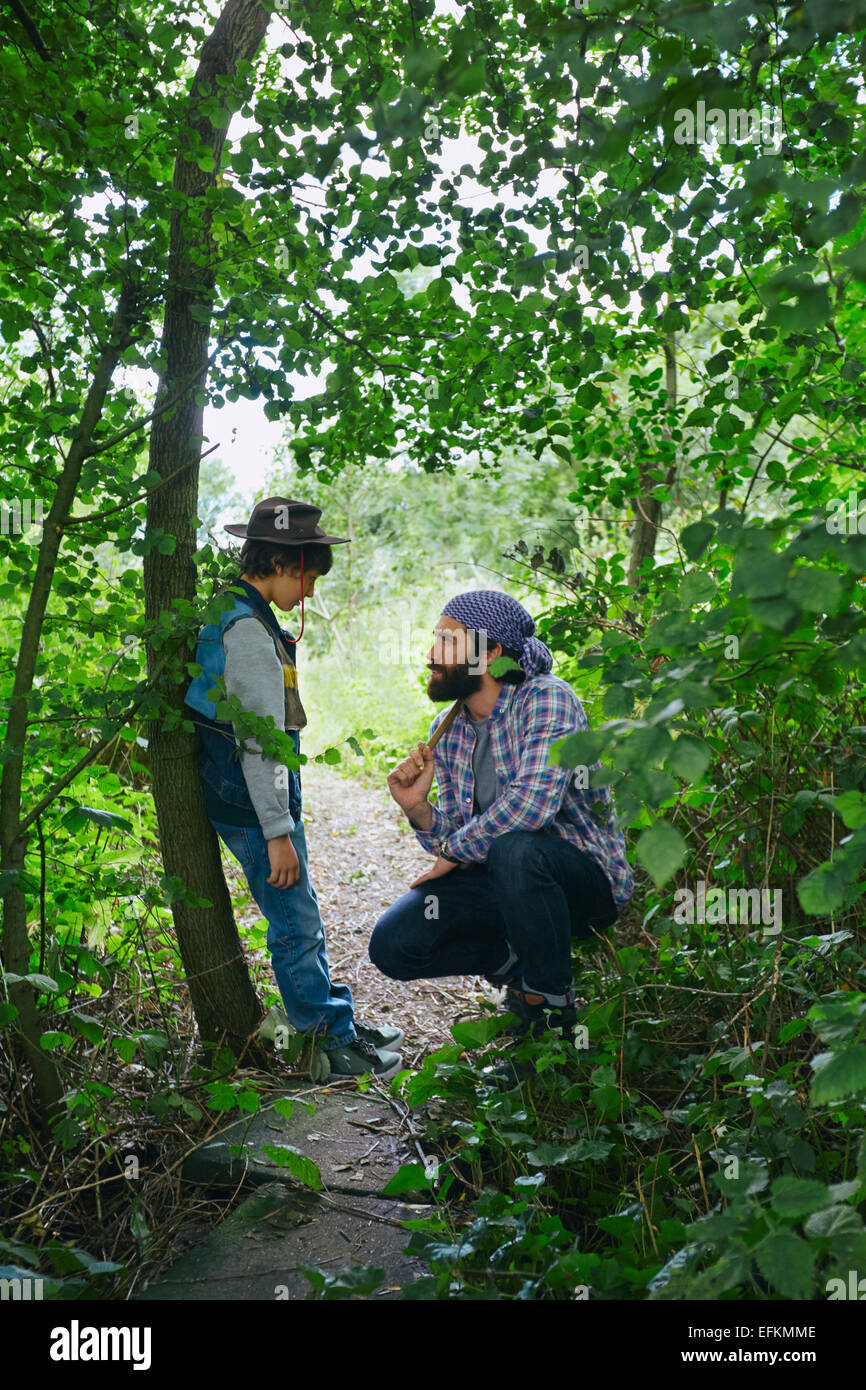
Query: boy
{"x": 253, "y": 802}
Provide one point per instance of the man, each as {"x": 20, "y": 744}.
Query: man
{"x": 523, "y": 863}
{"x": 253, "y": 802}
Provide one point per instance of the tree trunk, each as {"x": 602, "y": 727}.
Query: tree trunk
{"x": 648, "y": 509}
{"x": 16, "y": 943}
{"x": 223, "y": 996}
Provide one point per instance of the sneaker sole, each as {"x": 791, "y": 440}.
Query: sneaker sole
{"x": 382, "y": 1075}
{"x": 390, "y": 1071}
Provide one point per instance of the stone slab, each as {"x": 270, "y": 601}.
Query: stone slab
{"x": 258, "y": 1250}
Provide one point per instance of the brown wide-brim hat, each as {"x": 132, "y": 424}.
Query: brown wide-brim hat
{"x": 283, "y": 521}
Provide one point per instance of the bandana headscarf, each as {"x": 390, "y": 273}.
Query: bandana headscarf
{"x": 504, "y": 620}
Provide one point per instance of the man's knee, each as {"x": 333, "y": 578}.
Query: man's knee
{"x": 387, "y": 951}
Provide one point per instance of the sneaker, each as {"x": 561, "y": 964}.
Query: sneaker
{"x": 389, "y": 1038}
{"x": 361, "y": 1058}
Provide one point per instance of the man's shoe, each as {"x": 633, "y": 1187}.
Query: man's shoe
{"x": 389, "y": 1038}
{"x": 361, "y": 1058}
{"x": 535, "y": 1016}
{"x": 507, "y": 973}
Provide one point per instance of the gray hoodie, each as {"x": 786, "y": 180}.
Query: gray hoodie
{"x": 253, "y": 673}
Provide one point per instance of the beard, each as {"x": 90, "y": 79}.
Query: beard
{"x": 452, "y": 682}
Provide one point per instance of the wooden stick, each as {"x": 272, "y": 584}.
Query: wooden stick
{"x": 445, "y": 725}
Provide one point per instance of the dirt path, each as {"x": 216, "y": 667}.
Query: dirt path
{"x": 362, "y": 858}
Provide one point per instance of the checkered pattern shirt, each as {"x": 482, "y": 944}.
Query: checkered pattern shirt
{"x": 526, "y": 721}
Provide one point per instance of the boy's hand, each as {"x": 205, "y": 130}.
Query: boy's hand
{"x": 285, "y": 869}
{"x": 411, "y": 780}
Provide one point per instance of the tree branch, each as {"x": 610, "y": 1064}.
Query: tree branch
{"x": 122, "y": 506}
{"x": 29, "y": 27}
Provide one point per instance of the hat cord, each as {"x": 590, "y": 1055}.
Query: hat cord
{"x": 302, "y": 613}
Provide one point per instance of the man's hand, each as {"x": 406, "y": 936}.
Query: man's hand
{"x": 440, "y": 867}
{"x": 411, "y": 780}
{"x": 285, "y": 869}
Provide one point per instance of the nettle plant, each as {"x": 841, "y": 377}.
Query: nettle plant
{"x": 735, "y": 740}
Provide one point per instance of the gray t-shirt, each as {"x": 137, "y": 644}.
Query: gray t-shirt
{"x": 486, "y": 789}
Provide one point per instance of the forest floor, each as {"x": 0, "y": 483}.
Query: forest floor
{"x": 362, "y": 858}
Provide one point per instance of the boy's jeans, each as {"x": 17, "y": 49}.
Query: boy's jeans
{"x": 296, "y": 938}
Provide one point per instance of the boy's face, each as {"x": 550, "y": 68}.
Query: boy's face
{"x": 287, "y": 586}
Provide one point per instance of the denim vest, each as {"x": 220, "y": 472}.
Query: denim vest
{"x": 220, "y": 761}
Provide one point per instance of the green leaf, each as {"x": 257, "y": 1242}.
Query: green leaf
{"x": 751, "y": 1178}
{"x": 90, "y": 1027}
{"x": 297, "y": 1163}
{"x": 689, "y": 758}
{"x": 578, "y": 750}
{"x": 502, "y": 664}
{"x": 787, "y": 1263}
{"x": 843, "y": 1075}
{"x": 761, "y": 575}
{"x": 851, "y": 806}
{"x": 411, "y": 1177}
{"x": 618, "y": 702}
{"x": 832, "y": 1222}
{"x": 696, "y": 537}
{"x": 815, "y": 590}
{"x": 107, "y": 820}
{"x": 823, "y": 890}
{"x": 795, "y": 1197}
{"x": 477, "y": 1032}
{"x": 44, "y": 982}
{"x": 125, "y": 1047}
{"x": 662, "y": 850}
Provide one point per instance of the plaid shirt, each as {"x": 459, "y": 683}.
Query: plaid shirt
{"x": 526, "y": 721}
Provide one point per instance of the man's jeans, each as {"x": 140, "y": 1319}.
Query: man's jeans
{"x": 532, "y": 895}
{"x": 296, "y": 938}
